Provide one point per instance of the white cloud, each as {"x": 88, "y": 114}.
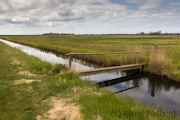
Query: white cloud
{"x": 83, "y": 15}
{"x": 4, "y": 5}
{"x": 149, "y": 4}
{"x": 175, "y": 4}
{"x": 57, "y": 10}
{"x": 134, "y": 1}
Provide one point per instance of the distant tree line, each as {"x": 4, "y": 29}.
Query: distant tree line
{"x": 141, "y": 33}
{"x": 157, "y": 33}
{"x": 58, "y": 33}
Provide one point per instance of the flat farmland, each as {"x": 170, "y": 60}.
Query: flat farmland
{"x": 166, "y": 60}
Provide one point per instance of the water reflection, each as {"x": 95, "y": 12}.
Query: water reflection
{"x": 50, "y": 57}
{"x": 118, "y": 80}
{"x": 127, "y": 89}
{"x": 153, "y": 90}
{"x": 150, "y": 89}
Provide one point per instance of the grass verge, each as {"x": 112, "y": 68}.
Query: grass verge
{"x": 58, "y": 95}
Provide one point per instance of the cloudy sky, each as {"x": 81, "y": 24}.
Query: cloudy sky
{"x": 88, "y": 16}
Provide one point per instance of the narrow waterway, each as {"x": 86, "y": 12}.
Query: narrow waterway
{"x": 150, "y": 89}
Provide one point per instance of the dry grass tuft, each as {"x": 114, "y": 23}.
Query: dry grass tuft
{"x": 77, "y": 68}
{"x": 17, "y": 82}
{"x": 96, "y": 117}
{"x": 26, "y": 73}
{"x": 158, "y": 63}
{"x": 99, "y": 117}
{"x": 15, "y": 61}
{"x": 84, "y": 90}
{"x": 62, "y": 109}
{"x": 131, "y": 58}
{"x": 97, "y": 93}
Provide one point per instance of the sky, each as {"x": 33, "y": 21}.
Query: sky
{"x": 89, "y": 16}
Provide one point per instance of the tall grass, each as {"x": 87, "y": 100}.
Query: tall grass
{"x": 131, "y": 58}
{"x": 158, "y": 62}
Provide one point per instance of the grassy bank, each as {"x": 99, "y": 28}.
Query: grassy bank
{"x": 33, "y": 89}
{"x": 165, "y": 61}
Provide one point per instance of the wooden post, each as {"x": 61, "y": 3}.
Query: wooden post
{"x": 142, "y": 71}
{"x": 153, "y": 90}
{"x": 70, "y": 59}
{"x": 137, "y": 57}
{"x": 138, "y": 71}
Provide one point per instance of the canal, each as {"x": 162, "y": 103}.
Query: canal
{"x": 150, "y": 89}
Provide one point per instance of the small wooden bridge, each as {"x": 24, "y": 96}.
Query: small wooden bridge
{"x": 109, "y": 69}
{"x": 138, "y": 66}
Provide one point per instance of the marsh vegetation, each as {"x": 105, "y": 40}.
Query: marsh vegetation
{"x": 34, "y": 89}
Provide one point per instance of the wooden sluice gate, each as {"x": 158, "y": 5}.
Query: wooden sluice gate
{"x": 138, "y": 67}
{"x": 71, "y": 55}
{"x": 108, "y": 69}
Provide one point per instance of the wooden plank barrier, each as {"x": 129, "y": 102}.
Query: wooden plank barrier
{"x": 109, "y": 69}
{"x": 73, "y": 54}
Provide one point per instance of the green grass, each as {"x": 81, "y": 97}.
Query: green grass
{"x": 109, "y": 107}
{"x": 169, "y": 45}
{"x": 27, "y": 101}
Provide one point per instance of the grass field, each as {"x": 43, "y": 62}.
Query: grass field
{"x": 166, "y": 61}
{"x": 33, "y": 89}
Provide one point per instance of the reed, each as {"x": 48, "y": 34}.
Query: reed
{"x": 158, "y": 63}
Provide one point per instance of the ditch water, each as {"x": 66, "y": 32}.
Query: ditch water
{"x": 150, "y": 89}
